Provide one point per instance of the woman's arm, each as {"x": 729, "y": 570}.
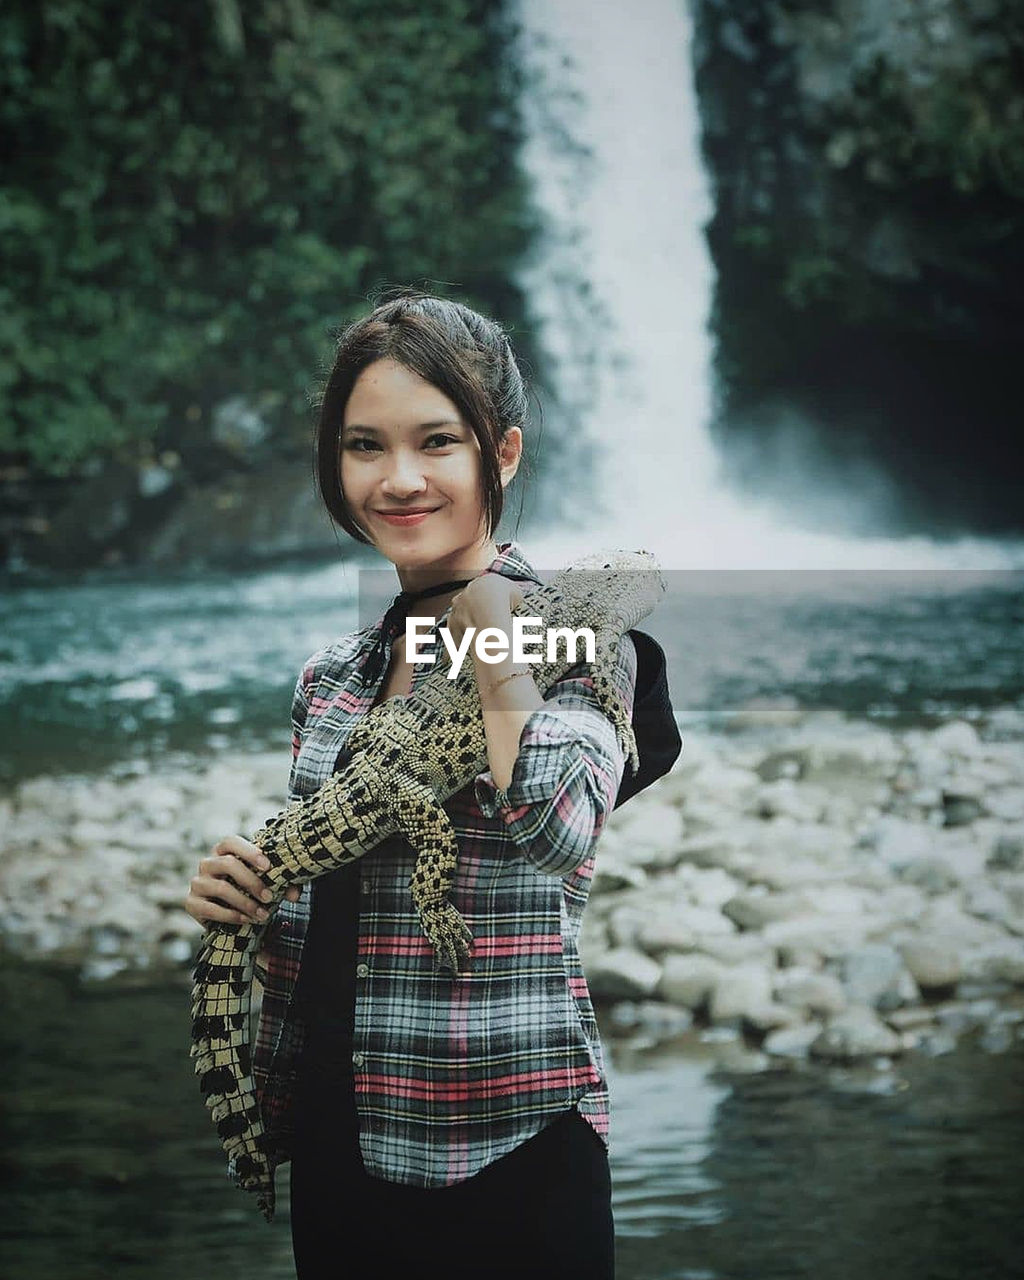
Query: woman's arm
{"x": 555, "y": 761}
{"x": 566, "y": 771}
{"x": 506, "y": 703}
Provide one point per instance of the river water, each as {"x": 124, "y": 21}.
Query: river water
{"x": 94, "y": 673}
{"x": 109, "y": 1157}
{"x": 110, "y": 1163}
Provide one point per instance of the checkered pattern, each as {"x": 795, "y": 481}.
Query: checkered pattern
{"x": 450, "y": 1075}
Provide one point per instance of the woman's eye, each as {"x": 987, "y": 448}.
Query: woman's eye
{"x": 356, "y": 444}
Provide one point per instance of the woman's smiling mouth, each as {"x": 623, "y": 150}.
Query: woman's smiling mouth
{"x": 403, "y": 518}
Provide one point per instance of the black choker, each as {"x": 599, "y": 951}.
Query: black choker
{"x": 394, "y": 620}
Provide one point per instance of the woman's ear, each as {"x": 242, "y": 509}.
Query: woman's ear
{"x": 510, "y": 450}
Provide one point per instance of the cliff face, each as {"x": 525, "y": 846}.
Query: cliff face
{"x": 867, "y": 159}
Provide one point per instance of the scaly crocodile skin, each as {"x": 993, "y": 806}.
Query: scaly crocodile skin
{"x": 407, "y": 757}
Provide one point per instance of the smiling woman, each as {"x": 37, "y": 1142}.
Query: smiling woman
{"x": 470, "y": 1111}
{"x": 409, "y": 460}
{"x": 419, "y": 375}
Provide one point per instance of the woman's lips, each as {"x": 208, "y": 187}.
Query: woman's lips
{"x": 402, "y": 520}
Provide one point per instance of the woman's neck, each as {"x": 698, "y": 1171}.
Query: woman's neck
{"x": 422, "y": 577}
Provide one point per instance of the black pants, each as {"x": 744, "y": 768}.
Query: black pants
{"x": 541, "y": 1211}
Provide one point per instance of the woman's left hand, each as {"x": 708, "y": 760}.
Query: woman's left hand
{"x": 488, "y": 601}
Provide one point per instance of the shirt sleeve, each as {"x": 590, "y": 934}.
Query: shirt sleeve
{"x": 567, "y": 773}
{"x": 300, "y": 710}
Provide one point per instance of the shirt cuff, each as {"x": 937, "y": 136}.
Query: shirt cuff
{"x": 546, "y": 729}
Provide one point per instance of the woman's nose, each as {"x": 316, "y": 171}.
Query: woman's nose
{"x": 404, "y": 475}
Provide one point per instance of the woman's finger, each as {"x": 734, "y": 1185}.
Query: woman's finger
{"x": 242, "y": 848}
{"x": 230, "y": 867}
{"x": 203, "y": 910}
{"x": 217, "y": 889}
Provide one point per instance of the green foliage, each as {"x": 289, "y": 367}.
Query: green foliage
{"x": 201, "y": 190}
{"x": 961, "y": 129}
{"x": 809, "y": 278}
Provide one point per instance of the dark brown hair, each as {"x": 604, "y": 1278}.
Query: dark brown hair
{"x": 457, "y": 350}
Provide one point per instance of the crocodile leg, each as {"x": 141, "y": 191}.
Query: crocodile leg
{"x": 414, "y": 806}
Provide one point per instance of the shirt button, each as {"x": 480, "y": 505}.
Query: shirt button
{"x": 362, "y": 970}
{"x": 366, "y": 886}
{"x": 357, "y": 1059}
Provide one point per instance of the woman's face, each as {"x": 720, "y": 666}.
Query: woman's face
{"x": 405, "y": 448}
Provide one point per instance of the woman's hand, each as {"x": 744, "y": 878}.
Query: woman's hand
{"x": 226, "y": 887}
{"x": 488, "y": 601}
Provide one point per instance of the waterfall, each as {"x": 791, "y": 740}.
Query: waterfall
{"x": 612, "y": 153}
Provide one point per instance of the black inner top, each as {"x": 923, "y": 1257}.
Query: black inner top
{"x": 326, "y": 987}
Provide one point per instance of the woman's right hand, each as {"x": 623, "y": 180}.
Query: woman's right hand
{"x": 227, "y": 886}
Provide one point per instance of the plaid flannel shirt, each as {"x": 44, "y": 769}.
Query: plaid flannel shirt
{"x": 451, "y": 1074}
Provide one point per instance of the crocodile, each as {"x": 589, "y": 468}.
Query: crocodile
{"x": 406, "y": 757}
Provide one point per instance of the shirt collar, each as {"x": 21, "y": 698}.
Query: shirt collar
{"x": 510, "y": 562}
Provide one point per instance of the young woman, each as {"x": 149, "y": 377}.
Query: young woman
{"x": 458, "y": 1125}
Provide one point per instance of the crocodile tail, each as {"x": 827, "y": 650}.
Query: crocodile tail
{"x": 221, "y": 998}
{"x": 611, "y": 704}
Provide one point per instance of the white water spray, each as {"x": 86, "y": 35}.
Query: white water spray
{"x": 614, "y": 83}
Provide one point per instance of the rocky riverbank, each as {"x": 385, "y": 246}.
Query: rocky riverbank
{"x": 800, "y": 884}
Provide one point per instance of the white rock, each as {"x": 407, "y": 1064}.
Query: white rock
{"x": 625, "y": 921}
{"x": 679, "y": 927}
{"x": 770, "y": 1016}
{"x": 964, "y": 850}
{"x": 649, "y": 834}
{"x": 991, "y": 903}
{"x": 958, "y": 738}
{"x": 859, "y": 755}
{"x": 910, "y": 1018}
{"x": 824, "y": 935}
{"x": 1006, "y": 803}
{"x": 819, "y": 993}
{"x": 789, "y": 799}
{"x": 874, "y": 975}
{"x": 662, "y": 1019}
{"x": 725, "y": 784}
{"x": 704, "y": 886}
{"x": 1001, "y": 960}
{"x": 1007, "y": 849}
{"x": 785, "y": 871}
{"x": 178, "y": 923}
{"x": 736, "y": 948}
{"x": 753, "y": 910}
{"x": 99, "y": 970}
{"x": 687, "y": 979}
{"x": 611, "y": 875}
{"x": 736, "y": 992}
{"x": 898, "y": 842}
{"x": 791, "y": 1042}
{"x": 944, "y": 917}
{"x": 623, "y": 973}
{"x": 929, "y": 763}
{"x": 931, "y": 962}
{"x": 855, "y": 1033}
{"x": 177, "y": 950}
